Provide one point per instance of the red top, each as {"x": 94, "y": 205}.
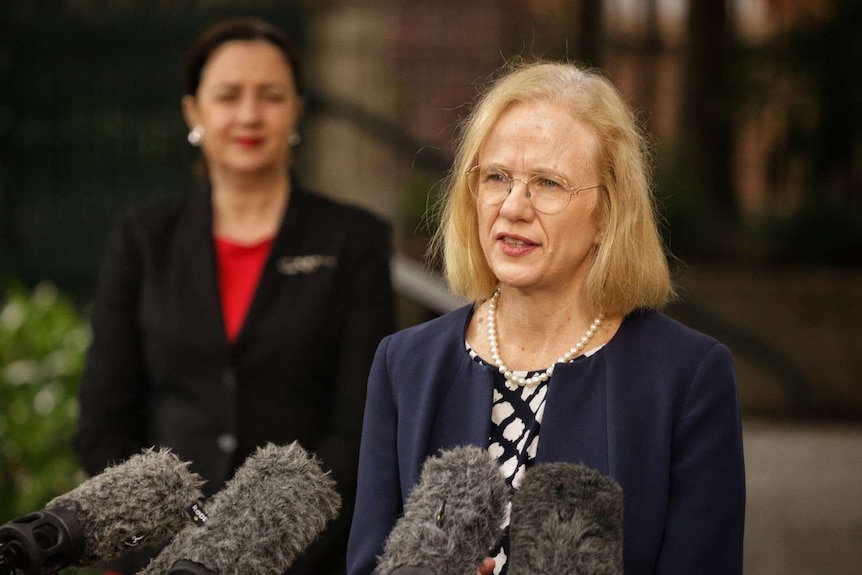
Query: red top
{"x": 239, "y": 268}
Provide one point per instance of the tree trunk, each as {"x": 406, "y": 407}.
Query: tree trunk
{"x": 591, "y": 33}
{"x": 707, "y": 113}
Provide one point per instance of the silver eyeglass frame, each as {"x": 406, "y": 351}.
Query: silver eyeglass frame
{"x": 572, "y": 191}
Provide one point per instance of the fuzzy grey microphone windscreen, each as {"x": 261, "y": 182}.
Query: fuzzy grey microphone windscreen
{"x": 141, "y": 501}
{"x": 452, "y": 517}
{"x": 566, "y": 518}
{"x": 276, "y": 504}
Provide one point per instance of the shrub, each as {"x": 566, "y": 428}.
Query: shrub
{"x": 43, "y": 340}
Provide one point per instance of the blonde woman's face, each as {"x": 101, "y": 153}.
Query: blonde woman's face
{"x": 525, "y": 248}
{"x": 248, "y": 106}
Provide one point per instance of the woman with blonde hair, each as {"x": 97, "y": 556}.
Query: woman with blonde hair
{"x": 550, "y": 229}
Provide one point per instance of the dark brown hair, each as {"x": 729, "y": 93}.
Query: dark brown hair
{"x": 239, "y": 29}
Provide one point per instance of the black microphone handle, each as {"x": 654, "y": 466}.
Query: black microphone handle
{"x": 40, "y": 543}
{"x": 9, "y": 557}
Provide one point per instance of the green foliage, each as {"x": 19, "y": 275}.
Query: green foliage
{"x": 687, "y": 223}
{"x": 805, "y": 75}
{"x": 43, "y": 340}
{"x": 826, "y": 120}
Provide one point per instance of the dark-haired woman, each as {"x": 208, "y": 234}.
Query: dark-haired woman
{"x": 247, "y": 311}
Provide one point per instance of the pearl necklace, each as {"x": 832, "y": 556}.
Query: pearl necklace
{"x": 544, "y": 375}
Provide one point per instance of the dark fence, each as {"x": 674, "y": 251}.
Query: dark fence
{"x": 90, "y": 123}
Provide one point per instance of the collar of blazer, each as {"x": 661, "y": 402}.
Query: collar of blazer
{"x": 305, "y": 265}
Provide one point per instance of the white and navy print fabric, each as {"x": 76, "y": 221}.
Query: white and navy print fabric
{"x": 516, "y": 417}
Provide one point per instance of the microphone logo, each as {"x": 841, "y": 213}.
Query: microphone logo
{"x": 134, "y": 540}
{"x": 197, "y": 514}
{"x": 438, "y": 515}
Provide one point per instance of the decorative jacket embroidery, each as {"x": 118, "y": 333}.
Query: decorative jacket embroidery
{"x": 305, "y": 264}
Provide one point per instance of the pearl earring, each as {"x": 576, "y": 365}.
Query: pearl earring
{"x": 196, "y": 135}
{"x": 294, "y": 139}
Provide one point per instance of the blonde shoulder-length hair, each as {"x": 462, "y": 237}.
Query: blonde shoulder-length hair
{"x": 630, "y": 268}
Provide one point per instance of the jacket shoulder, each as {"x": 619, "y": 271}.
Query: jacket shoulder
{"x": 666, "y": 333}
{"x": 651, "y": 342}
{"x": 164, "y": 213}
{"x": 432, "y": 336}
{"x": 324, "y": 207}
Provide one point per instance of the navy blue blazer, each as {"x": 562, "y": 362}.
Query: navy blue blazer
{"x": 656, "y": 408}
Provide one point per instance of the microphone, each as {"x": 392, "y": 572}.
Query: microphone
{"x": 566, "y": 518}
{"x": 452, "y": 517}
{"x": 141, "y": 501}
{"x": 275, "y": 505}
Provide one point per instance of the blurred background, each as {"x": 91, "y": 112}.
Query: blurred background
{"x": 754, "y": 108}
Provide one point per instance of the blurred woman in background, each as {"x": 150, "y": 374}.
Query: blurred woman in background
{"x": 247, "y": 311}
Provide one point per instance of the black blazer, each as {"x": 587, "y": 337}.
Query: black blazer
{"x": 160, "y": 370}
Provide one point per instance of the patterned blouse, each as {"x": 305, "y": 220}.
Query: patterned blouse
{"x": 516, "y": 418}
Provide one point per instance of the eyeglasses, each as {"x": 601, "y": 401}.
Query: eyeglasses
{"x": 547, "y": 193}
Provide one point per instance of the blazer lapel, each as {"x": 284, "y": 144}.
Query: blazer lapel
{"x": 287, "y": 243}
{"x": 201, "y": 259}
{"x": 465, "y": 413}
{"x": 462, "y": 410}
{"x": 574, "y": 426}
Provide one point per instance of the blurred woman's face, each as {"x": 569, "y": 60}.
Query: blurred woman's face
{"x": 248, "y": 107}
{"x": 524, "y": 247}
